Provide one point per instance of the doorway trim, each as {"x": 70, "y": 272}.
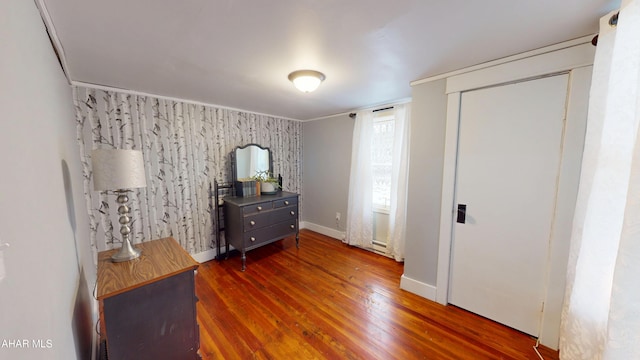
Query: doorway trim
{"x": 575, "y": 60}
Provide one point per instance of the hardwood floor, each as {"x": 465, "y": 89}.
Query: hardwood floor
{"x": 328, "y": 300}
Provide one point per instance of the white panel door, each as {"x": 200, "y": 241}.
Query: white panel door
{"x": 509, "y": 150}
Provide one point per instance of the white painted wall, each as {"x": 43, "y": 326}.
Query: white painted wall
{"x": 45, "y": 296}
{"x": 426, "y": 158}
{"x": 325, "y": 175}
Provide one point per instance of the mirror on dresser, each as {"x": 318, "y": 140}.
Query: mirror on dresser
{"x": 252, "y": 171}
{"x": 248, "y": 160}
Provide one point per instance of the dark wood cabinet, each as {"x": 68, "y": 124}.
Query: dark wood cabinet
{"x": 148, "y": 305}
{"x": 251, "y": 222}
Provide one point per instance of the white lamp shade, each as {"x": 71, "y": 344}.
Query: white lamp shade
{"x": 306, "y": 80}
{"x": 117, "y": 169}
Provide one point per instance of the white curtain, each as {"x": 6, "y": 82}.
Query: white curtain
{"x": 399, "y": 176}
{"x": 601, "y": 314}
{"x": 360, "y": 208}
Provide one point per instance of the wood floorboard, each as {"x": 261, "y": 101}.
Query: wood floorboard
{"x": 328, "y": 300}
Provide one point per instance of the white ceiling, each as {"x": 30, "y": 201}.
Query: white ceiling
{"x": 238, "y": 54}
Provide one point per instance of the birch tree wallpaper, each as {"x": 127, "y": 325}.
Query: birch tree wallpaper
{"x": 185, "y": 147}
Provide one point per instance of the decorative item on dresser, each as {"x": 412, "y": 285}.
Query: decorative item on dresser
{"x": 148, "y": 306}
{"x": 251, "y": 222}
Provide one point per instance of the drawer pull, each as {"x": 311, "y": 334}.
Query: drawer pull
{"x": 292, "y": 226}
{"x": 286, "y": 202}
{"x": 292, "y": 213}
{"x": 252, "y": 222}
{"x": 252, "y": 239}
{"x": 259, "y": 208}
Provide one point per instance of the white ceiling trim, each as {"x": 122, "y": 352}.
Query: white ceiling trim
{"x": 543, "y": 50}
{"x": 140, "y": 93}
{"x": 53, "y": 35}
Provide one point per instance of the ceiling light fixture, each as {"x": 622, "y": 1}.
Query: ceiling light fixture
{"x": 306, "y": 80}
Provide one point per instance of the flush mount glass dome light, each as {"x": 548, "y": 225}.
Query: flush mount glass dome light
{"x": 306, "y": 80}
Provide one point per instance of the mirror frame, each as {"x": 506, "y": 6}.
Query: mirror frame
{"x": 234, "y": 165}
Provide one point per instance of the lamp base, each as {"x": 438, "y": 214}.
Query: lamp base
{"x": 126, "y": 253}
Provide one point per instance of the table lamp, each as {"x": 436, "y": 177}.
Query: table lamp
{"x": 119, "y": 170}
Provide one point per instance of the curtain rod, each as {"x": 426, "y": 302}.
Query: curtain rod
{"x": 382, "y": 109}
{"x": 353, "y": 115}
{"x": 613, "y": 22}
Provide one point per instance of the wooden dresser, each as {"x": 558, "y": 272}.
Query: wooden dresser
{"x": 254, "y": 221}
{"x": 148, "y": 305}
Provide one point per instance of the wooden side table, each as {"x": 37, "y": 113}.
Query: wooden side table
{"x": 148, "y": 305}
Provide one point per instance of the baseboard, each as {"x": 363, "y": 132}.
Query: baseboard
{"x": 336, "y": 234}
{"x": 210, "y": 254}
{"x": 417, "y": 287}
{"x": 204, "y": 256}
{"x": 95, "y": 340}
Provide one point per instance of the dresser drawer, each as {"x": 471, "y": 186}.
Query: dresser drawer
{"x": 257, "y": 208}
{"x": 265, "y": 218}
{"x": 274, "y": 232}
{"x": 285, "y": 202}
{"x": 283, "y": 214}
{"x": 257, "y": 221}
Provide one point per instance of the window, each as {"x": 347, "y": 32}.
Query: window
{"x": 381, "y": 160}
{"x": 378, "y": 181}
